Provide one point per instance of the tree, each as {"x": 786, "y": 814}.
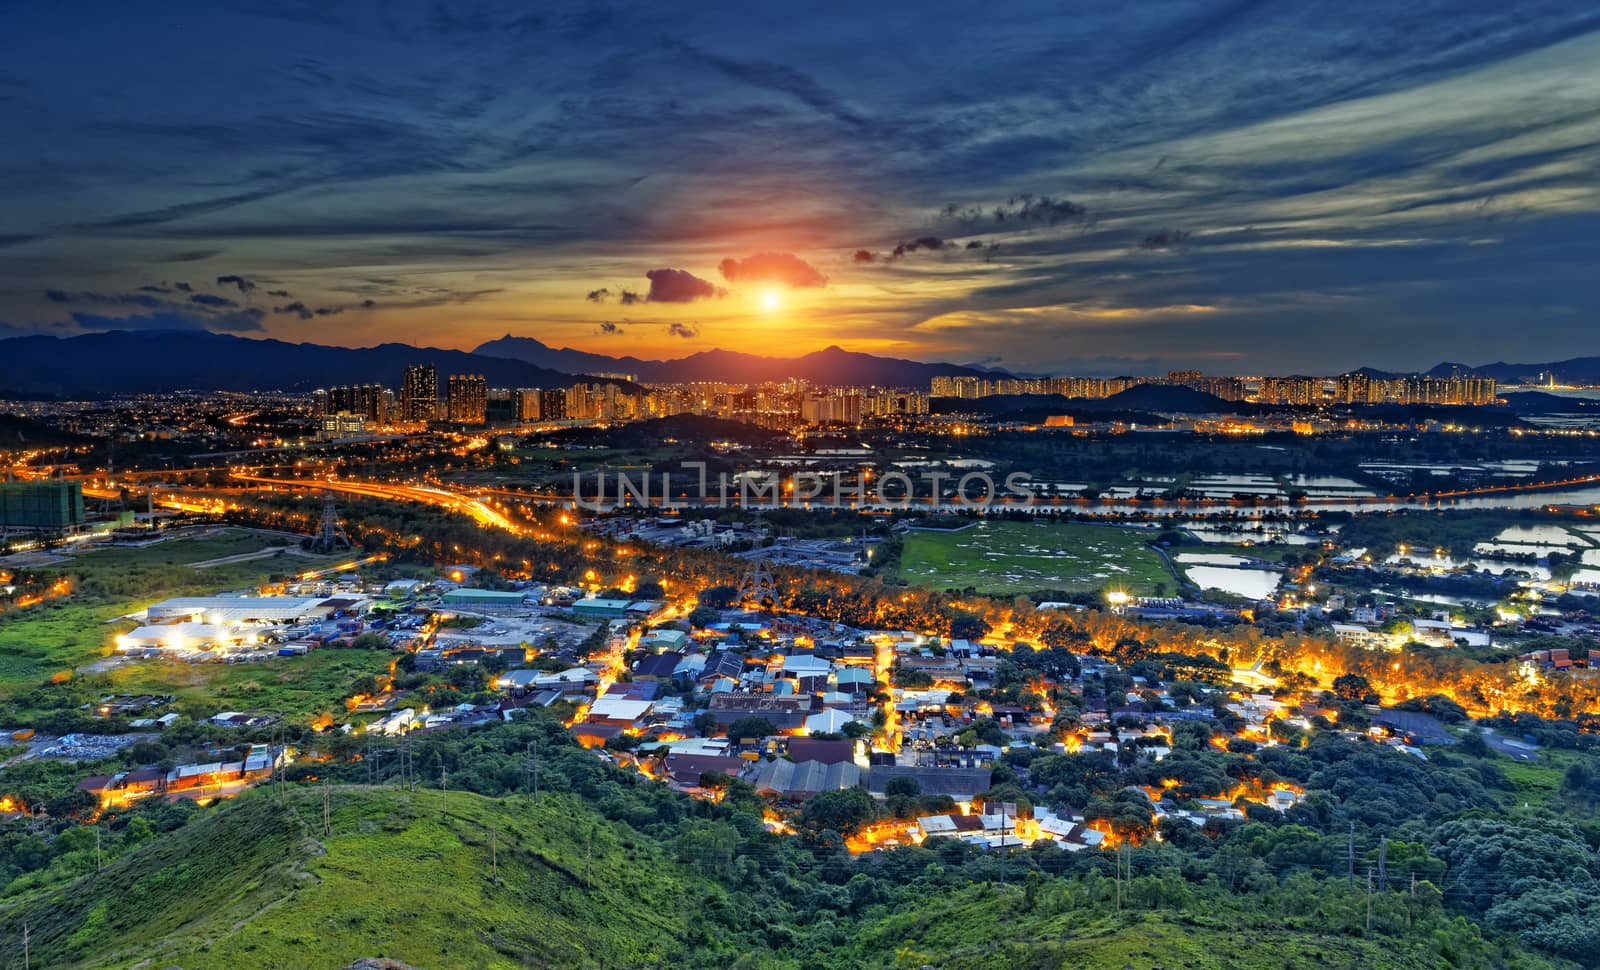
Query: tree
{"x": 718, "y": 597}
{"x": 750, "y": 727}
{"x": 842, "y": 811}
{"x": 903, "y": 785}
{"x": 1352, "y": 687}
{"x": 706, "y": 723}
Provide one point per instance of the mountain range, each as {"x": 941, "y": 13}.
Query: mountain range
{"x": 122, "y": 362}
{"x": 152, "y": 362}
{"x": 1575, "y": 370}
{"x": 832, "y": 365}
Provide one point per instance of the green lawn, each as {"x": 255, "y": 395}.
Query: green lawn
{"x": 1023, "y": 557}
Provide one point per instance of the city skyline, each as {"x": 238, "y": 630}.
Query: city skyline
{"x": 1231, "y": 189}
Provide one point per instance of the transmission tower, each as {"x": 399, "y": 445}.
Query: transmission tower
{"x": 112, "y": 504}
{"x": 757, "y": 585}
{"x": 330, "y": 534}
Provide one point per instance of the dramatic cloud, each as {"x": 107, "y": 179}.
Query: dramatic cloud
{"x": 687, "y": 331}
{"x": 679, "y": 286}
{"x": 1165, "y": 239}
{"x": 607, "y": 327}
{"x": 239, "y": 321}
{"x": 212, "y": 300}
{"x": 1375, "y": 186}
{"x": 106, "y": 299}
{"x": 921, "y": 242}
{"x": 782, "y": 268}
{"x": 1019, "y": 210}
{"x": 299, "y": 309}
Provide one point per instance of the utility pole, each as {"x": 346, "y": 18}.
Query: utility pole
{"x": 327, "y": 824}
{"x": 1383, "y": 864}
{"x": 533, "y": 765}
{"x": 1352, "y": 855}
{"x": 97, "y": 865}
{"x": 24, "y": 946}
{"x": 494, "y": 853}
{"x": 1369, "y": 900}
{"x": 1119, "y": 878}
{"x": 588, "y": 853}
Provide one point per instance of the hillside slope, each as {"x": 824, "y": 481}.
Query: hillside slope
{"x": 989, "y": 928}
{"x": 406, "y": 876}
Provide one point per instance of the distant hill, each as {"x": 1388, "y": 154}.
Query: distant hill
{"x": 1172, "y": 399}
{"x": 832, "y": 365}
{"x": 1576, "y": 370}
{"x": 651, "y": 433}
{"x": 158, "y": 361}
{"x": 1539, "y": 402}
{"x": 1139, "y": 403}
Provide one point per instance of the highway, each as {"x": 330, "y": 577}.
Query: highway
{"x": 437, "y": 497}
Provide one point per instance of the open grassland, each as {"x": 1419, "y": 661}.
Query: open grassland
{"x": 1024, "y": 557}
{"x": 296, "y": 686}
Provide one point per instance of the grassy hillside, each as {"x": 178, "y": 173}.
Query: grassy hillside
{"x": 406, "y": 876}
{"x": 989, "y": 928}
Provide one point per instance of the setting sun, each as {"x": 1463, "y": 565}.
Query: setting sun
{"x": 771, "y": 300}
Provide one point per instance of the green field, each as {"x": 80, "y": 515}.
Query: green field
{"x": 1024, "y": 557}
{"x": 312, "y": 683}
{"x": 68, "y": 632}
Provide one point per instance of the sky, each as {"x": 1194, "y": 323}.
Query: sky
{"x": 1238, "y": 187}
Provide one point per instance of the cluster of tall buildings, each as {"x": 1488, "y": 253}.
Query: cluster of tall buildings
{"x": 847, "y": 405}
{"x": 372, "y": 402}
{"x": 976, "y": 387}
{"x": 467, "y": 399}
{"x": 1355, "y": 388}
{"x": 1360, "y": 388}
